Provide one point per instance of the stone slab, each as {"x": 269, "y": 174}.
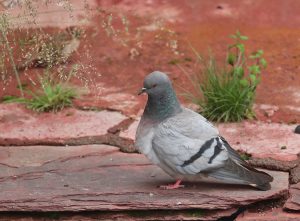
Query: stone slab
{"x": 275, "y": 214}
{"x": 261, "y": 140}
{"x": 99, "y": 177}
{"x": 129, "y": 133}
{"x": 19, "y": 126}
{"x": 293, "y": 202}
{"x": 111, "y": 98}
{"x": 162, "y": 215}
{"x": 295, "y": 174}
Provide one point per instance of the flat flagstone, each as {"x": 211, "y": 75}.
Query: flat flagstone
{"x": 295, "y": 174}
{"x": 145, "y": 215}
{"x": 99, "y": 177}
{"x": 293, "y": 202}
{"x": 111, "y": 98}
{"x": 129, "y": 133}
{"x": 19, "y": 126}
{"x": 261, "y": 140}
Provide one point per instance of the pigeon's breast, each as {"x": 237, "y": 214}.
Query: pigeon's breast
{"x": 143, "y": 142}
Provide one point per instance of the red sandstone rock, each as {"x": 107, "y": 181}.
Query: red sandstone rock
{"x": 293, "y": 203}
{"x": 99, "y": 177}
{"x": 263, "y": 140}
{"x": 295, "y": 174}
{"x": 130, "y": 132}
{"x": 275, "y": 214}
{"x": 111, "y": 98}
{"x": 70, "y": 126}
{"x": 162, "y": 215}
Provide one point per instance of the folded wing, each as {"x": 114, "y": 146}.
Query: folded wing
{"x": 188, "y": 154}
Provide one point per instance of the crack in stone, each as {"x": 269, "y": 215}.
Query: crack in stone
{"x": 7, "y": 165}
{"x": 27, "y": 176}
{"x": 62, "y": 172}
{"x": 65, "y": 159}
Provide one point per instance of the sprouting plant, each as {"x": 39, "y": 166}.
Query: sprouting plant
{"x": 241, "y": 68}
{"x": 228, "y": 91}
{"x": 52, "y": 96}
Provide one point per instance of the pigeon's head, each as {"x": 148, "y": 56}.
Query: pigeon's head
{"x": 156, "y": 83}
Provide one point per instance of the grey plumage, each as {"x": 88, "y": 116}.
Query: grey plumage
{"x": 184, "y": 144}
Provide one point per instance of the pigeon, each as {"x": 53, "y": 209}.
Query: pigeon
{"x": 186, "y": 145}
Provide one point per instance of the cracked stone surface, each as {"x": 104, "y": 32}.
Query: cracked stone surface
{"x": 100, "y": 177}
{"x": 129, "y": 133}
{"x": 275, "y": 214}
{"x": 19, "y": 126}
{"x": 182, "y": 215}
{"x": 272, "y": 164}
{"x": 261, "y": 140}
{"x": 293, "y": 202}
{"x": 295, "y": 174}
{"x": 112, "y": 99}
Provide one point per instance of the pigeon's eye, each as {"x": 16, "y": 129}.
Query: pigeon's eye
{"x": 154, "y": 85}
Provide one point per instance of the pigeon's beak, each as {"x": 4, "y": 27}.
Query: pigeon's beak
{"x": 143, "y": 90}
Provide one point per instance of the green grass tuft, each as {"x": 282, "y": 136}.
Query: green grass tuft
{"x": 224, "y": 98}
{"x": 227, "y": 93}
{"x": 52, "y": 97}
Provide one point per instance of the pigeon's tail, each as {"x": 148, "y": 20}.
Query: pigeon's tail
{"x": 242, "y": 174}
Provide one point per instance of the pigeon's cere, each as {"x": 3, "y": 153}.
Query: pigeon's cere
{"x": 185, "y": 145}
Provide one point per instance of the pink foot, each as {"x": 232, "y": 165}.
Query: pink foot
{"x": 172, "y": 186}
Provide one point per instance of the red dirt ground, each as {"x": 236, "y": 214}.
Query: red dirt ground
{"x": 114, "y": 69}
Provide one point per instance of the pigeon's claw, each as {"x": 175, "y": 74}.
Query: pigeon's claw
{"x": 172, "y": 186}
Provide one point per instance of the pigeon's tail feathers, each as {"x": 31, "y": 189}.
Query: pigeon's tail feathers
{"x": 263, "y": 187}
{"x": 242, "y": 174}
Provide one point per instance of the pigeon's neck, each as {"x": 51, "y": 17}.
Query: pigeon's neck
{"x": 160, "y": 107}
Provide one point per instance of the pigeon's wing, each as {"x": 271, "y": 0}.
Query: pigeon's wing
{"x": 188, "y": 144}
{"x": 208, "y": 154}
{"x": 192, "y": 125}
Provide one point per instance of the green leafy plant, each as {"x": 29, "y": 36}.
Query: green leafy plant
{"x": 228, "y": 92}
{"x": 53, "y": 96}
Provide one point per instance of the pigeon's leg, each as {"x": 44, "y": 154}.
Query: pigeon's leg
{"x": 172, "y": 186}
